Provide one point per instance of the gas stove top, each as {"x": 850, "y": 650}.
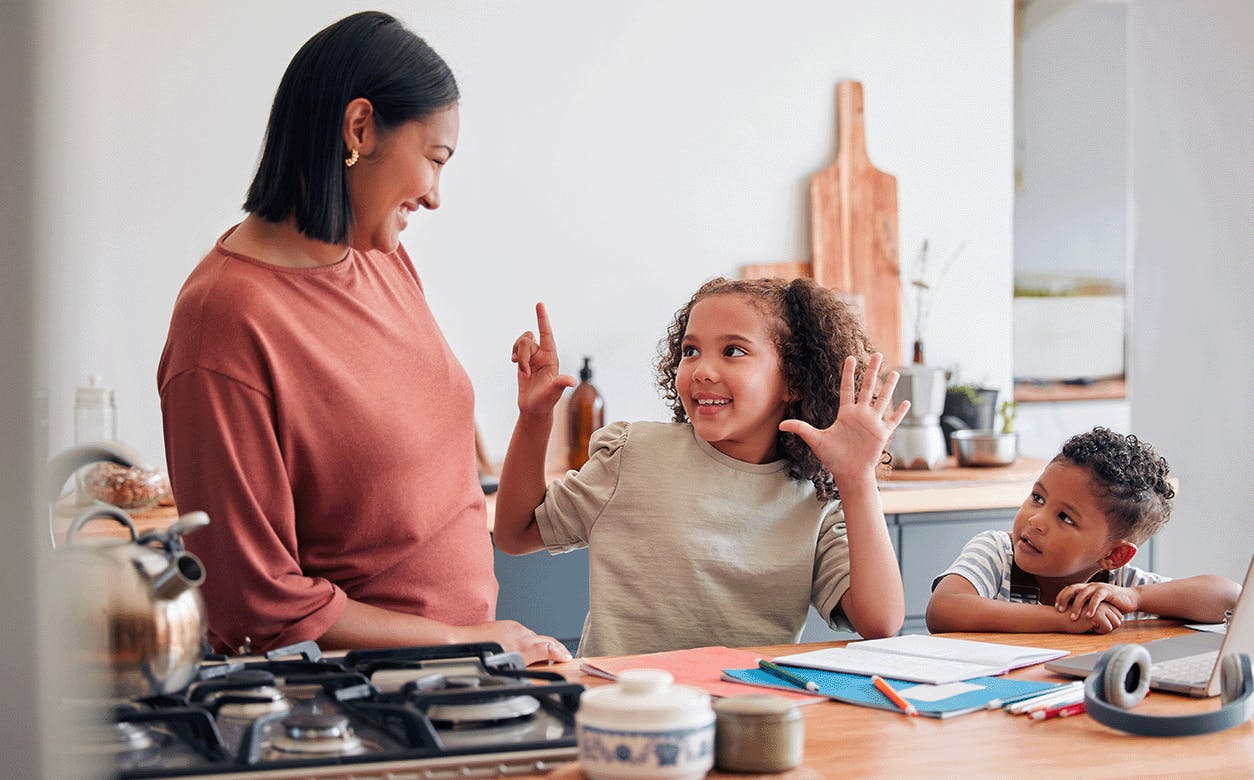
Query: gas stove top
{"x": 420, "y": 712}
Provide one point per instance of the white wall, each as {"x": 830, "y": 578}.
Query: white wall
{"x": 612, "y": 157}
{"x": 1191, "y": 77}
{"x": 1070, "y": 205}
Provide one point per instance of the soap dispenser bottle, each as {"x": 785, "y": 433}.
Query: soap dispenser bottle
{"x": 586, "y": 415}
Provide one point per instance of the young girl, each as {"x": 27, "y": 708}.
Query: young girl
{"x": 721, "y": 527}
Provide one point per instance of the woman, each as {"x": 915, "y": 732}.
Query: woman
{"x": 311, "y": 404}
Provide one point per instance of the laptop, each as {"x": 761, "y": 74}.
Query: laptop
{"x": 1188, "y": 663}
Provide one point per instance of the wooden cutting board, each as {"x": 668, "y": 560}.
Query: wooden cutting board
{"x": 853, "y": 225}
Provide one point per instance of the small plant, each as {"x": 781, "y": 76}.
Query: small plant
{"x": 1007, "y": 411}
{"x": 923, "y": 285}
{"x": 969, "y": 392}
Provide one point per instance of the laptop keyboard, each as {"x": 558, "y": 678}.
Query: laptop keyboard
{"x": 1189, "y": 670}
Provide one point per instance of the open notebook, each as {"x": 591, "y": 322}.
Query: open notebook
{"x": 923, "y": 658}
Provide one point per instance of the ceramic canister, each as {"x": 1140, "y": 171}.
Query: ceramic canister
{"x": 759, "y": 733}
{"x": 645, "y": 726}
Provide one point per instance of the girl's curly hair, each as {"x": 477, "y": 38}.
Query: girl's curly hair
{"x": 814, "y": 331}
{"x": 1129, "y": 480}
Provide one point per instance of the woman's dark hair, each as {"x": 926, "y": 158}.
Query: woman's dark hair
{"x": 815, "y": 331}
{"x": 367, "y": 55}
{"x": 1129, "y": 480}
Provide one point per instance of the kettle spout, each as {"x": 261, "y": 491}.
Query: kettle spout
{"x": 184, "y": 573}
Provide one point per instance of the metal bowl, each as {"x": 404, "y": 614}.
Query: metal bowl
{"x": 984, "y": 447}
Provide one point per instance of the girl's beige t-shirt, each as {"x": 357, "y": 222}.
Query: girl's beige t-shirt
{"x": 689, "y": 547}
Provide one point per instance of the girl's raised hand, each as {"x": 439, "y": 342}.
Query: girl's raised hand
{"x": 852, "y": 446}
{"x": 539, "y": 383}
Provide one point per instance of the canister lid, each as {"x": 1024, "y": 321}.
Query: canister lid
{"x": 647, "y": 696}
{"x": 757, "y": 705}
{"x": 93, "y": 393}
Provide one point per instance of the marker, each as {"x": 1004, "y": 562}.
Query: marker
{"x": 893, "y": 696}
{"x": 784, "y": 674}
{"x": 1062, "y": 711}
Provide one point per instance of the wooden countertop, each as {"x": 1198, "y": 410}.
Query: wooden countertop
{"x": 950, "y": 489}
{"x": 959, "y": 488}
{"x": 844, "y": 740}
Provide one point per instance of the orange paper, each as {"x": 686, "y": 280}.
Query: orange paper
{"x": 699, "y": 667}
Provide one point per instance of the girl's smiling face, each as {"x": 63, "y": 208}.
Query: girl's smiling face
{"x": 730, "y": 379}
{"x": 1061, "y": 531}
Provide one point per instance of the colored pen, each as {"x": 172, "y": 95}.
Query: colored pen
{"x": 784, "y": 674}
{"x": 1063, "y": 711}
{"x": 1071, "y": 697}
{"x": 1023, "y": 705}
{"x": 893, "y": 696}
{"x": 1009, "y": 700}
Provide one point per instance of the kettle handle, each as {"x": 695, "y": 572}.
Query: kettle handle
{"x": 101, "y": 511}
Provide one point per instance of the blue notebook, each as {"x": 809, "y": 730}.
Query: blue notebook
{"x": 934, "y": 701}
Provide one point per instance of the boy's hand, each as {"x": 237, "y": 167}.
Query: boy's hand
{"x": 1084, "y": 599}
{"x": 1104, "y": 619}
{"x": 852, "y": 446}
{"x": 539, "y": 384}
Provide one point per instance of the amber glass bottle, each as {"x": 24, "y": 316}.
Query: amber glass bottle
{"x": 587, "y": 414}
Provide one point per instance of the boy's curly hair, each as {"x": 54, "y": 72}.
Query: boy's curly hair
{"x": 1129, "y": 478}
{"x": 814, "y": 331}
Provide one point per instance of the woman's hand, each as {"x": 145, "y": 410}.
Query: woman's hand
{"x": 539, "y": 383}
{"x": 515, "y": 637}
{"x": 854, "y": 443}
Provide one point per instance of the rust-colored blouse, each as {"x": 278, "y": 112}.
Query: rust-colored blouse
{"x": 320, "y": 419}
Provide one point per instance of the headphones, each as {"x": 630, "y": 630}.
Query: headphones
{"x": 1121, "y": 679}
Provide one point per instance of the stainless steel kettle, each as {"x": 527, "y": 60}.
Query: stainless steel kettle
{"x": 139, "y": 596}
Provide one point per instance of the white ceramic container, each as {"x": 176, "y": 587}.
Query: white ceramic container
{"x": 645, "y": 726}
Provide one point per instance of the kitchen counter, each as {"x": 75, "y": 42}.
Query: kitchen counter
{"x": 950, "y": 489}
{"x": 843, "y": 740}
{"x": 953, "y": 488}
{"x": 930, "y": 515}
{"x": 66, "y": 510}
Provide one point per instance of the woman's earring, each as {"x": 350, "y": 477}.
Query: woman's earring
{"x": 351, "y": 160}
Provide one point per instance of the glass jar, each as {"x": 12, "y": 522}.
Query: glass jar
{"x": 95, "y": 419}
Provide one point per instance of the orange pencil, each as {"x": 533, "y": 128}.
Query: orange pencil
{"x": 893, "y": 696}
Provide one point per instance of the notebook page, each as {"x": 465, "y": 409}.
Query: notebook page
{"x": 892, "y": 665}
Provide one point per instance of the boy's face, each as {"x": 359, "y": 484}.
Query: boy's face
{"x": 1061, "y": 531}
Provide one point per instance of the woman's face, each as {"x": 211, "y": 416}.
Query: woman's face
{"x": 400, "y": 175}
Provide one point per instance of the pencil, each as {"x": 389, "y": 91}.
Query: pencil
{"x": 893, "y": 696}
{"x": 1062, "y": 711}
{"x": 784, "y": 674}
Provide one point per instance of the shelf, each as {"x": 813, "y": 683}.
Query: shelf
{"x": 1048, "y": 392}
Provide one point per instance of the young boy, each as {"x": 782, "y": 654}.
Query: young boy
{"x": 1064, "y": 565}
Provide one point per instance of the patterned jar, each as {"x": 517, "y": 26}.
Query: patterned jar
{"x": 645, "y": 726}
